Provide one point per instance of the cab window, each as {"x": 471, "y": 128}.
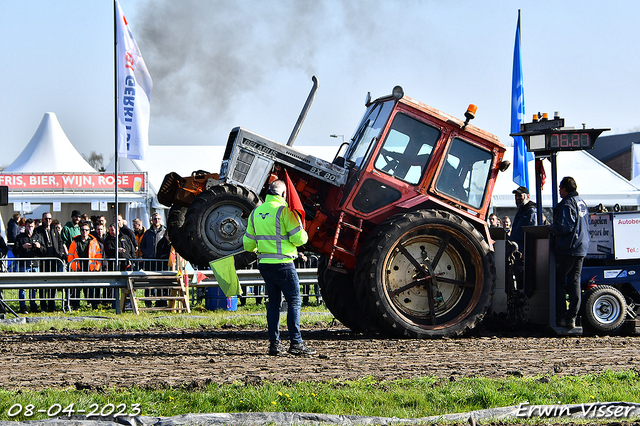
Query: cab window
{"x": 407, "y": 149}
{"x": 465, "y": 173}
{"x": 374, "y": 120}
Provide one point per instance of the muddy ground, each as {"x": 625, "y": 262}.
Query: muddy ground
{"x": 160, "y": 358}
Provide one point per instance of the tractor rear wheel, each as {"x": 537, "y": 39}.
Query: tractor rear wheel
{"x": 339, "y": 295}
{"x": 216, "y": 221}
{"x": 177, "y": 234}
{"x": 604, "y": 309}
{"x": 426, "y": 274}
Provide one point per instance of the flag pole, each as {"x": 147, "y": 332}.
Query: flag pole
{"x": 115, "y": 117}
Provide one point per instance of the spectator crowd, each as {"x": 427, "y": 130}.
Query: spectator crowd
{"x": 83, "y": 244}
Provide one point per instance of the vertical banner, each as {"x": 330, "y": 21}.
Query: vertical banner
{"x": 521, "y": 157}
{"x": 133, "y": 93}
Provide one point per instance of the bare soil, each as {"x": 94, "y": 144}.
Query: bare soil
{"x": 160, "y": 358}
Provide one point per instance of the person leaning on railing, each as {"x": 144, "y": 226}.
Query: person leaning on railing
{"x": 148, "y": 245}
{"x": 126, "y": 251}
{"x": 87, "y": 248}
{"x": 138, "y": 231}
{"x": 29, "y": 245}
{"x": 54, "y": 249}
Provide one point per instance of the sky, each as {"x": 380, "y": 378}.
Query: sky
{"x": 218, "y": 64}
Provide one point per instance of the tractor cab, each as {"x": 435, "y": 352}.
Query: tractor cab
{"x": 406, "y": 155}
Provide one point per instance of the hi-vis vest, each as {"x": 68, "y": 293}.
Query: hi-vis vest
{"x": 94, "y": 253}
{"x": 274, "y": 231}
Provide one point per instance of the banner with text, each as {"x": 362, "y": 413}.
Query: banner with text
{"x": 73, "y": 182}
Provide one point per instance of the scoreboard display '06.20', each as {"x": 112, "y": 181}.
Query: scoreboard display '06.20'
{"x": 551, "y": 136}
{"x": 565, "y": 140}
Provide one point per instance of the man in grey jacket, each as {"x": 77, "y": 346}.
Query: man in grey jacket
{"x": 148, "y": 245}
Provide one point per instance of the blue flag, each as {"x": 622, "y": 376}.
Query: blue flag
{"x": 520, "y": 155}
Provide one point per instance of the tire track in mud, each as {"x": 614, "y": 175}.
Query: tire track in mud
{"x": 94, "y": 359}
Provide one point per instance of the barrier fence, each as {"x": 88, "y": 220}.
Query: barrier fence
{"x": 49, "y": 283}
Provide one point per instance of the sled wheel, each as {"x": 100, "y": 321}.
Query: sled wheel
{"x": 216, "y": 221}
{"x": 427, "y": 274}
{"x": 338, "y": 292}
{"x": 604, "y": 309}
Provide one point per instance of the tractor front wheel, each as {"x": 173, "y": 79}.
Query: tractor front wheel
{"x": 339, "y": 295}
{"x": 216, "y": 221}
{"x": 177, "y": 234}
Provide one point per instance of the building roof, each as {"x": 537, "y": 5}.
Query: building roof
{"x": 607, "y": 147}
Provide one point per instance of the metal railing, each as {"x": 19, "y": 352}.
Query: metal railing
{"x": 256, "y": 289}
{"x": 38, "y": 280}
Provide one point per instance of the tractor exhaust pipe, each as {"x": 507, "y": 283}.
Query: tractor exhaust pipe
{"x": 303, "y": 113}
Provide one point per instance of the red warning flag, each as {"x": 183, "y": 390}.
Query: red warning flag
{"x": 293, "y": 199}
{"x": 541, "y": 172}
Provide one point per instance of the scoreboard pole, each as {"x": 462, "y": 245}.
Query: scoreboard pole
{"x": 554, "y": 179}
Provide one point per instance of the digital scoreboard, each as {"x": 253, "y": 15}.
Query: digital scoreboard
{"x": 551, "y": 136}
{"x": 562, "y": 140}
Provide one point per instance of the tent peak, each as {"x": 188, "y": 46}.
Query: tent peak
{"x": 49, "y": 150}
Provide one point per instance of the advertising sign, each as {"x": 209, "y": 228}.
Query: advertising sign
{"x": 73, "y": 182}
{"x": 627, "y": 231}
{"x": 600, "y": 236}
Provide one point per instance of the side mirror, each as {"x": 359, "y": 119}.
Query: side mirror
{"x": 504, "y": 165}
{"x": 339, "y": 161}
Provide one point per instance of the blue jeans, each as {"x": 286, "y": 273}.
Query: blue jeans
{"x": 568, "y": 271}
{"x": 282, "y": 277}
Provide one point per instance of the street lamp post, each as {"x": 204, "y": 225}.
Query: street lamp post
{"x": 336, "y": 136}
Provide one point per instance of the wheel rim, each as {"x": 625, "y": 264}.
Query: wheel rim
{"x": 607, "y": 309}
{"x": 433, "y": 251}
{"x": 225, "y": 226}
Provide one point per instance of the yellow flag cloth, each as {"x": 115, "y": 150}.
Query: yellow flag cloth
{"x": 225, "y": 272}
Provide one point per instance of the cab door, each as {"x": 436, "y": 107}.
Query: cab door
{"x": 395, "y": 167}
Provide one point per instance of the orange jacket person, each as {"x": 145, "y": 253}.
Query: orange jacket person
{"x": 85, "y": 246}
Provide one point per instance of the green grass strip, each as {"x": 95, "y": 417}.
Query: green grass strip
{"x": 250, "y": 315}
{"x": 413, "y": 398}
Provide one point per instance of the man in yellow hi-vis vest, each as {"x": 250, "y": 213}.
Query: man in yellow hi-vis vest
{"x": 275, "y": 232}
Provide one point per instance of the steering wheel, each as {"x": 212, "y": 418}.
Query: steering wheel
{"x": 389, "y": 157}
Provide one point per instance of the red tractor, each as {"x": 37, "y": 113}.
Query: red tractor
{"x": 399, "y": 215}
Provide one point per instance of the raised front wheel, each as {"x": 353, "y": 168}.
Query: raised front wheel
{"x": 427, "y": 273}
{"x": 216, "y": 221}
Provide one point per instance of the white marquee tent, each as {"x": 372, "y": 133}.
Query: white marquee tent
{"x": 50, "y": 175}
{"x": 49, "y": 150}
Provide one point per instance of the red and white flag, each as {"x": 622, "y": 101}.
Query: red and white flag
{"x": 134, "y": 93}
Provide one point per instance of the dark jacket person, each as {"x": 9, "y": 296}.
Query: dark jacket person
{"x": 570, "y": 229}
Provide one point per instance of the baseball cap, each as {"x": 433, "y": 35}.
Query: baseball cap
{"x": 76, "y": 213}
{"x": 521, "y": 190}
